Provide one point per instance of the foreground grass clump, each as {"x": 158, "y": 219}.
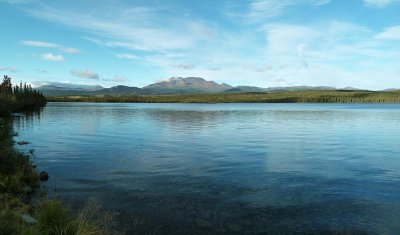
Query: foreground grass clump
{"x": 327, "y": 96}
{"x": 53, "y": 218}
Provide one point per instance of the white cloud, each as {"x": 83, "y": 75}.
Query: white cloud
{"x": 287, "y": 38}
{"x": 41, "y": 71}
{"x": 120, "y": 79}
{"x": 31, "y": 43}
{"x": 379, "y": 3}
{"x": 289, "y": 42}
{"x": 262, "y": 50}
{"x": 136, "y": 28}
{"x": 325, "y": 53}
{"x": 202, "y": 30}
{"x": 8, "y": 69}
{"x": 52, "y": 57}
{"x": 391, "y": 33}
{"x": 70, "y": 50}
{"x": 66, "y": 84}
{"x": 127, "y": 56}
{"x": 40, "y": 44}
{"x": 186, "y": 66}
{"x": 85, "y": 74}
{"x": 261, "y": 9}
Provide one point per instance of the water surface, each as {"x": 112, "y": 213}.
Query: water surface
{"x": 226, "y": 168}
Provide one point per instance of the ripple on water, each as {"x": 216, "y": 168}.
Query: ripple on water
{"x": 226, "y": 168}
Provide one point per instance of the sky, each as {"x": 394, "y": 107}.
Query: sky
{"x": 265, "y": 43}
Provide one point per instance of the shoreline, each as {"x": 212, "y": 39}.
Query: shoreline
{"x": 335, "y": 97}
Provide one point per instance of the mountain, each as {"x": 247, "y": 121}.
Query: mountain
{"x": 299, "y": 88}
{"x": 56, "y": 89}
{"x": 349, "y": 88}
{"x": 49, "y": 86}
{"x": 245, "y": 89}
{"x": 278, "y": 89}
{"x": 64, "y": 91}
{"x": 170, "y": 86}
{"x": 391, "y": 89}
{"x": 186, "y": 85}
{"x": 176, "y": 85}
{"x": 120, "y": 90}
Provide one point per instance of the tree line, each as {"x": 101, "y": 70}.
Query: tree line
{"x": 325, "y": 96}
{"x": 18, "y": 98}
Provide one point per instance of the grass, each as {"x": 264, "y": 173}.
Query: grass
{"x": 327, "y": 96}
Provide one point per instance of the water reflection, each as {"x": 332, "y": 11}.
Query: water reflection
{"x": 226, "y": 169}
{"x": 26, "y": 119}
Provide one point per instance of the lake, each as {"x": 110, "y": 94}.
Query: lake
{"x": 225, "y": 168}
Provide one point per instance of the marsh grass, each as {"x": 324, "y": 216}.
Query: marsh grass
{"x": 54, "y": 218}
{"x": 94, "y": 219}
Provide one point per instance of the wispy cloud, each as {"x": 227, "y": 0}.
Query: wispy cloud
{"x": 120, "y": 79}
{"x": 136, "y": 28}
{"x": 127, "y": 56}
{"x": 262, "y": 9}
{"x": 269, "y": 43}
{"x": 40, "y": 44}
{"x": 52, "y": 57}
{"x": 391, "y": 33}
{"x": 117, "y": 79}
{"x": 70, "y": 50}
{"x": 380, "y": 3}
{"x": 41, "y": 71}
{"x": 44, "y": 44}
{"x": 8, "y": 69}
{"x": 186, "y": 66}
{"x": 85, "y": 74}
{"x": 63, "y": 84}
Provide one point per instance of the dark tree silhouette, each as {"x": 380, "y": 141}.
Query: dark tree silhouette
{"x": 18, "y": 98}
{"x": 6, "y": 86}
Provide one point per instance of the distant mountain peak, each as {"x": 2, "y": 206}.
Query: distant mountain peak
{"x": 65, "y": 86}
{"x": 173, "y": 85}
{"x": 196, "y": 83}
{"x": 349, "y": 88}
{"x": 187, "y": 79}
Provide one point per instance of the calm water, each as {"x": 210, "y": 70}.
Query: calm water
{"x": 226, "y": 168}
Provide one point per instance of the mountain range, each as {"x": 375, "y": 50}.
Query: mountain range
{"x": 175, "y": 85}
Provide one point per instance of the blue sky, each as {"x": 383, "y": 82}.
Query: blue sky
{"x": 250, "y": 42}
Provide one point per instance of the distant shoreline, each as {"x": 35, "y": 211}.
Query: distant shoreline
{"x": 273, "y": 97}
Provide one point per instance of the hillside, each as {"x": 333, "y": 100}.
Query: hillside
{"x": 188, "y": 85}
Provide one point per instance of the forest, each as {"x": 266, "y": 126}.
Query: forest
{"x": 18, "y": 98}
{"x": 324, "y": 96}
